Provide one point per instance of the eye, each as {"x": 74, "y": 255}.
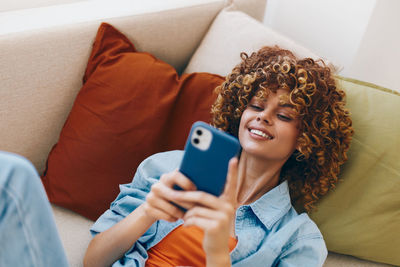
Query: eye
{"x": 256, "y": 107}
{"x": 284, "y": 118}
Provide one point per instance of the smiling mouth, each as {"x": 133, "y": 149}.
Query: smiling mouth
{"x": 260, "y": 133}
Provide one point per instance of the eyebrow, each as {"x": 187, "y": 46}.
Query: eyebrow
{"x": 286, "y": 105}
{"x": 282, "y": 103}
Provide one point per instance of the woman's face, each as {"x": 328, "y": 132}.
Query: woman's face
{"x": 268, "y": 127}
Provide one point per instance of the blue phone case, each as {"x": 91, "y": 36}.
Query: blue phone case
{"x": 208, "y": 168}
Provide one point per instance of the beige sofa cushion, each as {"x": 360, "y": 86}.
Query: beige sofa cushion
{"x": 340, "y": 260}
{"x": 253, "y": 8}
{"x": 74, "y": 233}
{"x": 231, "y": 33}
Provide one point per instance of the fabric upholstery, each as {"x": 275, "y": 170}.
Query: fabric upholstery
{"x": 361, "y": 216}
{"x": 231, "y": 33}
{"x": 131, "y": 106}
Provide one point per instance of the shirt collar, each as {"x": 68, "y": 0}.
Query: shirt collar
{"x": 273, "y": 205}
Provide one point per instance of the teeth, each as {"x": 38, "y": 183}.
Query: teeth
{"x": 260, "y": 133}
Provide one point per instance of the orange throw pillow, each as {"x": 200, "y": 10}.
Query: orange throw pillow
{"x": 131, "y": 106}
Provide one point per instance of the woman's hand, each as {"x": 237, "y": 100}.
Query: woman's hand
{"x": 215, "y": 215}
{"x": 159, "y": 204}
{"x": 110, "y": 245}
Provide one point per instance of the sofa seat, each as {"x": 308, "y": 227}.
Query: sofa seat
{"x": 75, "y": 236}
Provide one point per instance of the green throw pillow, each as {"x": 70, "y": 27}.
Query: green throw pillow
{"x": 361, "y": 217}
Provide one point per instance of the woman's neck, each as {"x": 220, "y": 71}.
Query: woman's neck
{"x": 256, "y": 177}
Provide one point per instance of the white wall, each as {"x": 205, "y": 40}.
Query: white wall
{"x": 8, "y": 5}
{"x": 331, "y": 28}
{"x": 378, "y": 56}
{"x": 351, "y": 33}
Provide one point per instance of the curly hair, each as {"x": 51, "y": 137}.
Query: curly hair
{"x": 325, "y": 125}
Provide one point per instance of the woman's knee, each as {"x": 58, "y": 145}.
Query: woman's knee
{"x": 15, "y": 169}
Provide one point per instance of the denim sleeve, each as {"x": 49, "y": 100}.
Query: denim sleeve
{"x": 131, "y": 196}
{"x": 306, "y": 251}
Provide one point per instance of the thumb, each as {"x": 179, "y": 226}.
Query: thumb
{"x": 231, "y": 180}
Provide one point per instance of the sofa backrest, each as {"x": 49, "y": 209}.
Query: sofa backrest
{"x": 41, "y": 70}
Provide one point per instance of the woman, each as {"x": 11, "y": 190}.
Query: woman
{"x": 290, "y": 119}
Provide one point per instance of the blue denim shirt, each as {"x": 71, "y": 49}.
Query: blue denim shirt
{"x": 269, "y": 230}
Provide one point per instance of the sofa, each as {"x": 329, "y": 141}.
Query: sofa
{"x": 41, "y": 73}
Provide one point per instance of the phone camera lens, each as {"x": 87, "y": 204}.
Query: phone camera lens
{"x": 196, "y": 141}
{"x": 199, "y": 132}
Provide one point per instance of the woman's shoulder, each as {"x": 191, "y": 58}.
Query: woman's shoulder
{"x": 302, "y": 234}
{"x": 294, "y": 228}
{"x": 163, "y": 161}
{"x": 302, "y": 225}
{"x": 157, "y": 164}
{"x": 166, "y": 154}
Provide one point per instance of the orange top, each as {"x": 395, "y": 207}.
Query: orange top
{"x": 182, "y": 247}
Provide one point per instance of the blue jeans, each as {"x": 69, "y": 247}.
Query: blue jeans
{"x": 28, "y": 234}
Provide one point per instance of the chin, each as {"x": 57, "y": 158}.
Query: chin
{"x": 255, "y": 152}
{"x": 265, "y": 155}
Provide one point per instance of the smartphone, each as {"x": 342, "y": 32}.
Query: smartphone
{"x": 206, "y": 158}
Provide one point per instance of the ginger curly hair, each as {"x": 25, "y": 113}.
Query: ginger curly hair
{"x": 325, "y": 125}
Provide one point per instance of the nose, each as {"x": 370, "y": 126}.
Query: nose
{"x": 265, "y": 116}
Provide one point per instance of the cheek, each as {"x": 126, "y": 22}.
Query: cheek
{"x": 243, "y": 122}
{"x": 242, "y": 129}
{"x": 290, "y": 134}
